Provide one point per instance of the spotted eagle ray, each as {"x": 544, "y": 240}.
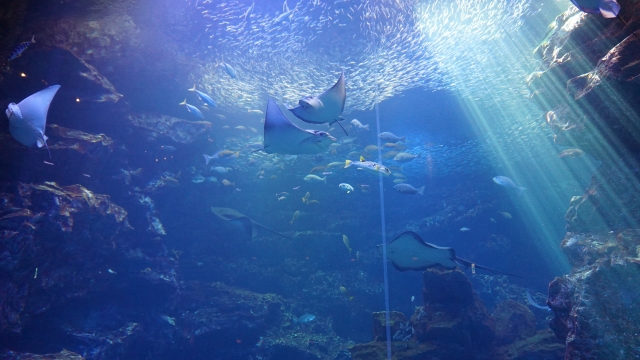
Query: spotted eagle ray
{"x": 324, "y": 108}
{"x": 251, "y": 227}
{"x": 409, "y": 252}
{"x": 28, "y": 119}
{"x": 281, "y": 136}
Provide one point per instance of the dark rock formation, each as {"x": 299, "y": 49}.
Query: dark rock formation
{"x": 612, "y": 201}
{"x": 64, "y": 247}
{"x": 594, "y": 306}
{"x": 222, "y": 322}
{"x": 63, "y": 355}
{"x": 587, "y": 81}
{"x": 542, "y": 345}
{"x": 588, "y": 88}
{"x": 77, "y": 140}
{"x": 400, "y": 350}
{"x": 456, "y": 319}
{"x": 396, "y": 319}
{"x": 514, "y": 322}
{"x": 453, "y": 324}
{"x": 178, "y": 130}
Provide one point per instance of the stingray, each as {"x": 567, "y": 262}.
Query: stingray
{"x": 251, "y": 227}
{"x": 281, "y": 136}
{"x": 324, "y": 108}
{"x": 28, "y": 119}
{"x": 409, "y": 252}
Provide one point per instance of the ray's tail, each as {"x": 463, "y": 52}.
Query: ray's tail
{"x": 468, "y": 264}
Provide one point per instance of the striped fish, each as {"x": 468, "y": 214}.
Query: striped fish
{"x": 21, "y": 48}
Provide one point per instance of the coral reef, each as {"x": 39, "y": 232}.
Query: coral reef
{"x": 61, "y": 243}
{"x": 62, "y": 355}
{"x": 586, "y": 80}
{"x": 514, "y": 322}
{"x": 587, "y": 85}
{"x": 77, "y": 140}
{"x": 542, "y": 345}
{"x": 178, "y": 130}
{"x": 593, "y": 306}
{"x": 454, "y": 324}
{"x": 396, "y": 323}
{"x": 610, "y": 202}
{"x": 456, "y": 319}
{"x": 242, "y": 323}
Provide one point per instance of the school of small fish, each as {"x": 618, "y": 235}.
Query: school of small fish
{"x": 392, "y": 46}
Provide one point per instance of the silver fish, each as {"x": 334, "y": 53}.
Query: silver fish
{"x": 391, "y": 137}
{"x": 508, "y": 183}
{"x": 408, "y": 189}
{"x": 304, "y": 319}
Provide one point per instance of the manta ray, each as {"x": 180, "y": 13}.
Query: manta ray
{"x": 251, "y": 227}
{"x": 28, "y": 119}
{"x": 409, "y": 252}
{"x": 281, "y": 136}
{"x": 324, "y": 108}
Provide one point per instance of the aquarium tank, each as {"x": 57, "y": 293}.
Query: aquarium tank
{"x": 320, "y": 179}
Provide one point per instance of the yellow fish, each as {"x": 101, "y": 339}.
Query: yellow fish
{"x": 295, "y": 216}
{"x": 345, "y": 240}
{"x": 226, "y": 182}
{"x": 228, "y": 154}
{"x": 306, "y": 197}
{"x": 346, "y": 292}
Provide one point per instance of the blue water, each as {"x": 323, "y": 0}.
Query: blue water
{"x": 464, "y": 132}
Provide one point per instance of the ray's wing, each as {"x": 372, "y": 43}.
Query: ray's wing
{"x": 333, "y": 101}
{"x": 334, "y": 98}
{"x": 280, "y": 134}
{"x": 227, "y": 214}
{"x": 409, "y": 252}
{"x": 302, "y": 114}
{"x": 232, "y": 215}
{"x": 249, "y": 225}
{"x": 35, "y": 107}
